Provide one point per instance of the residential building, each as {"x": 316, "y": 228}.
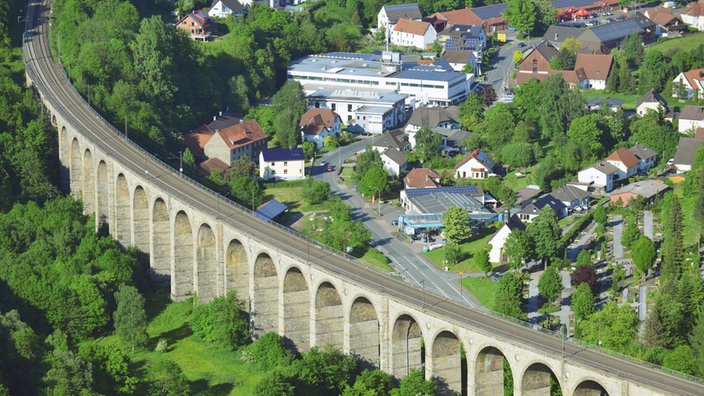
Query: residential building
{"x": 227, "y": 138}
{"x": 686, "y": 153}
{"x": 666, "y": 21}
{"x": 531, "y": 209}
{"x": 692, "y": 82}
{"x": 497, "y": 255}
{"x": 625, "y": 162}
{"x": 537, "y": 60}
{"x": 477, "y": 165}
{"x": 390, "y": 14}
{"x": 198, "y": 25}
{"x": 380, "y": 74}
{"x": 225, "y": 8}
{"x": 421, "y": 178}
{"x": 574, "y": 199}
{"x": 465, "y": 16}
{"x": 599, "y": 177}
{"x": 596, "y": 69}
{"x": 527, "y": 193}
{"x": 475, "y": 192}
{"x": 395, "y": 161}
{"x": 604, "y": 38}
{"x": 647, "y": 158}
{"x": 459, "y": 59}
{"x": 694, "y": 15}
{"x": 691, "y": 118}
{"x": 211, "y": 165}
{"x": 319, "y": 123}
{"x": 282, "y": 164}
{"x": 459, "y": 37}
{"x": 648, "y": 190}
{"x": 393, "y": 139}
{"x": 653, "y": 101}
{"x": 412, "y": 33}
{"x": 430, "y": 117}
{"x": 557, "y": 34}
{"x": 613, "y": 104}
{"x": 364, "y": 111}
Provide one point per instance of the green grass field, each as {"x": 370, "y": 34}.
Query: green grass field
{"x": 687, "y": 42}
{"x": 376, "y": 260}
{"x": 469, "y": 249}
{"x": 482, "y": 288}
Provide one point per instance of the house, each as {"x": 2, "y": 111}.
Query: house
{"x": 476, "y": 165}
{"x": 666, "y": 21}
{"x": 489, "y": 18}
{"x": 599, "y": 177}
{"x": 652, "y": 100}
{"x": 596, "y": 69}
{"x": 613, "y": 104}
{"x": 691, "y": 118}
{"x": 430, "y": 117}
{"x": 694, "y": 15}
{"x": 527, "y": 193}
{"x": 390, "y": 14}
{"x": 412, "y": 33}
{"x": 452, "y": 139}
{"x": 318, "y": 124}
{"x": 282, "y": 164}
{"x": 225, "y": 8}
{"x": 572, "y": 197}
{"x": 537, "y": 60}
{"x": 227, "y": 138}
{"x": 198, "y": 25}
{"x": 531, "y": 209}
{"x": 692, "y": 84}
{"x": 459, "y": 59}
{"x": 364, "y": 111}
{"x": 686, "y": 153}
{"x": 421, "y": 178}
{"x": 395, "y": 161}
{"x": 604, "y": 38}
{"x": 463, "y": 38}
{"x": 625, "y": 162}
{"x": 207, "y": 167}
{"x": 647, "y": 158}
{"x": 475, "y": 192}
{"x": 649, "y": 190}
{"x": 497, "y": 254}
{"x": 557, "y": 34}
{"x": 394, "y": 139}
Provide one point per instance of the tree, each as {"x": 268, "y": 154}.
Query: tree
{"x": 481, "y": 259}
{"x": 221, "y": 321}
{"x": 564, "y": 60}
{"x": 545, "y": 233}
{"x": 452, "y": 254}
{"x": 427, "y": 144}
{"x": 289, "y": 104}
{"x": 497, "y": 128}
{"x": 374, "y": 183}
{"x": 415, "y": 384}
{"x": 631, "y": 233}
{"x": 654, "y": 132}
{"x": 643, "y": 254}
{"x": 584, "y": 258}
{"x": 557, "y": 105}
{"x": 550, "y": 284}
{"x": 315, "y": 191}
{"x": 471, "y": 111}
{"x": 243, "y": 166}
{"x": 326, "y": 371}
{"x": 696, "y": 340}
{"x": 518, "y": 247}
{"x": 154, "y": 64}
{"x": 587, "y": 133}
{"x": 614, "y": 327}
{"x": 599, "y": 215}
{"x": 457, "y": 224}
{"x": 517, "y": 57}
{"x": 68, "y": 374}
{"x": 681, "y": 359}
{"x": 673, "y": 245}
{"x": 572, "y": 45}
{"x": 165, "y": 378}
{"x": 370, "y": 382}
{"x": 309, "y": 150}
{"x": 517, "y": 154}
{"x": 507, "y": 299}
{"x": 584, "y": 274}
{"x": 583, "y": 302}
{"x": 521, "y": 15}
{"x": 247, "y": 191}
{"x": 368, "y": 159}
{"x": 130, "y": 317}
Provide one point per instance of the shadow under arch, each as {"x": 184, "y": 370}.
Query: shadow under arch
{"x": 329, "y": 316}
{"x": 296, "y": 309}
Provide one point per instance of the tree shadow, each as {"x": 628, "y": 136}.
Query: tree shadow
{"x": 202, "y": 387}
{"x": 158, "y": 301}
{"x": 444, "y": 388}
{"x": 172, "y": 337}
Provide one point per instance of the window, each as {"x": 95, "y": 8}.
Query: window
{"x": 285, "y": 171}
{"x": 272, "y": 164}
{"x": 332, "y": 106}
{"x": 535, "y": 65}
{"x": 285, "y": 163}
{"x": 349, "y": 107}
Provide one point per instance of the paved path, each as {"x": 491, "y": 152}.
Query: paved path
{"x": 617, "y": 227}
{"x": 581, "y": 242}
{"x": 565, "y": 299}
{"x": 533, "y": 297}
{"x": 648, "y": 224}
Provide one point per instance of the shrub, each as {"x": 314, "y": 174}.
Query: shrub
{"x": 222, "y": 321}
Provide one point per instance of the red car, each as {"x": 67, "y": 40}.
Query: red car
{"x": 329, "y": 168}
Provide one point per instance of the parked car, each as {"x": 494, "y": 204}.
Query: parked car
{"x": 330, "y": 168}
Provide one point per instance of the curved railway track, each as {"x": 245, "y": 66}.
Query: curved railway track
{"x": 52, "y": 83}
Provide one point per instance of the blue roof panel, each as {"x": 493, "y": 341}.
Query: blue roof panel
{"x": 270, "y": 210}
{"x": 417, "y": 192}
{"x": 491, "y": 11}
{"x": 427, "y": 75}
{"x": 273, "y": 155}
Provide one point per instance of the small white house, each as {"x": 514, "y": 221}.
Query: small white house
{"x": 282, "y": 164}
{"x": 318, "y": 124}
{"x": 692, "y": 81}
{"x": 600, "y": 177}
{"x": 572, "y": 197}
{"x": 691, "y": 118}
{"x": 625, "y": 161}
{"x": 497, "y": 254}
{"x": 647, "y": 158}
{"x": 390, "y": 14}
{"x": 476, "y": 165}
{"x": 225, "y": 8}
{"x": 651, "y": 101}
{"x": 394, "y": 161}
{"x": 411, "y": 33}
{"x": 694, "y": 15}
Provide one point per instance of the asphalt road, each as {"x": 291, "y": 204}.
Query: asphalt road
{"x": 52, "y": 84}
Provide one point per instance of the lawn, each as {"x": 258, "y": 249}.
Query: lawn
{"x": 687, "y": 42}
{"x": 482, "y": 288}
{"x": 469, "y": 249}
{"x": 517, "y": 183}
{"x": 629, "y": 100}
{"x": 376, "y": 260}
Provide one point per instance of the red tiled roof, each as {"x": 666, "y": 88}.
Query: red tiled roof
{"x": 699, "y": 133}
{"x": 196, "y": 142}
{"x": 242, "y": 134}
{"x": 596, "y": 67}
{"x": 420, "y": 178}
{"x": 623, "y": 156}
{"x": 314, "y": 120}
{"x": 411, "y": 26}
{"x": 464, "y": 16}
{"x": 693, "y": 76}
{"x": 695, "y": 10}
{"x": 213, "y": 164}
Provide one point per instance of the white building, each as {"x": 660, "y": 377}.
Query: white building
{"x": 600, "y": 177}
{"x": 692, "y": 81}
{"x": 394, "y": 161}
{"x": 317, "y": 124}
{"x": 363, "y": 111}
{"x": 410, "y": 33}
{"x": 497, "y": 254}
{"x": 390, "y": 14}
{"x": 225, "y": 8}
{"x": 476, "y": 165}
{"x": 282, "y": 164}
{"x": 691, "y": 118}
{"x": 625, "y": 161}
{"x": 647, "y": 158}
{"x": 694, "y": 15}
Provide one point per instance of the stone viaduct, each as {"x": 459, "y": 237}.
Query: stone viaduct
{"x": 198, "y": 243}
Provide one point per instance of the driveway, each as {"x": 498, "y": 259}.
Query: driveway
{"x": 405, "y": 258}
{"x": 617, "y": 227}
{"x": 648, "y": 224}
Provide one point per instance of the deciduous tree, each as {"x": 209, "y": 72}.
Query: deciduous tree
{"x": 427, "y": 144}
{"x": 583, "y": 302}
{"x": 643, "y": 254}
{"x": 521, "y": 15}
{"x": 456, "y": 223}
{"x": 550, "y": 284}
{"x": 519, "y": 248}
{"x": 130, "y": 318}
{"x": 545, "y": 233}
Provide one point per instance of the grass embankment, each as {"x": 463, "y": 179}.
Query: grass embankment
{"x": 469, "y": 249}
{"x": 686, "y": 42}
{"x": 482, "y": 288}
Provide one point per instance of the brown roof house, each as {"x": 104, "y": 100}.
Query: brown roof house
{"x": 666, "y": 21}
{"x": 686, "y": 152}
{"x": 395, "y": 161}
{"x": 694, "y": 15}
{"x": 227, "y": 139}
{"x": 625, "y": 162}
{"x": 537, "y": 60}
{"x": 596, "y": 69}
{"x": 198, "y": 25}
{"x": 421, "y": 178}
{"x": 647, "y": 157}
{"x": 497, "y": 254}
{"x": 319, "y": 123}
{"x": 477, "y": 165}
{"x": 692, "y": 84}
{"x": 646, "y": 189}
{"x": 691, "y": 118}
{"x": 412, "y": 33}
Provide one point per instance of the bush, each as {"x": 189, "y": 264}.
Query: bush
{"x": 268, "y": 352}
{"x": 222, "y": 321}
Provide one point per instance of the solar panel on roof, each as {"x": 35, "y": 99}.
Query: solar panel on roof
{"x": 270, "y": 210}
{"x": 416, "y": 192}
{"x": 427, "y": 75}
{"x": 491, "y": 11}
{"x": 616, "y": 31}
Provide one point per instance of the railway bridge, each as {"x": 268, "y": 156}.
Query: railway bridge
{"x": 199, "y": 243}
